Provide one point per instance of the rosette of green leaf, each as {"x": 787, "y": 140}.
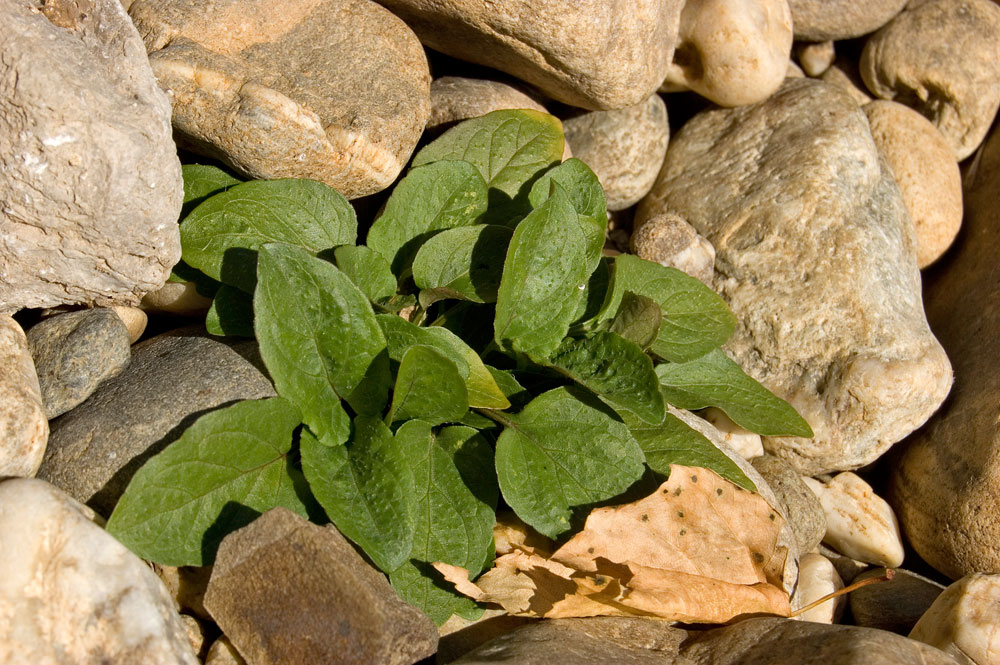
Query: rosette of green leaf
{"x": 715, "y": 380}
{"x": 544, "y": 275}
{"x": 595, "y": 292}
{"x": 464, "y": 263}
{"x": 587, "y": 197}
{"x": 455, "y": 498}
{"x": 319, "y": 340}
{"x": 366, "y": 488}
{"x": 231, "y": 313}
{"x": 511, "y": 149}
{"x": 227, "y": 468}
{"x": 429, "y": 199}
{"x": 565, "y": 449}
{"x": 368, "y": 269}
{"x": 222, "y": 235}
{"x": 429, "y": 387}
{"x": 638, "y": 319}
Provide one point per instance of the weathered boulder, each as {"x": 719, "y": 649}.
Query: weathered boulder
{"x": 90, "y": 183}
{"x": 24, "y": 429}
{"x": 821, "y": 20}
{"x": 815, "y": 256}
{"x": 456, "y": 98}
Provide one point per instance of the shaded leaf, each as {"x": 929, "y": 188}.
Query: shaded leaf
{"x": 202, "y": 181}
{"x": 587, "y": 197}
{"x": 368, "y": 270}
{"x": 464, "y": 263}
{"x": 429, "y": 387}
{"x": 231, "y": 313}
{"x": 638, "y": 319}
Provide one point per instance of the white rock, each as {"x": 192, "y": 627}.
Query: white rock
{"x": 71, "y": 594}
{"x": 964, "y": 621}
{"x": 816, "y": 58}
{"x": 24, "y": 429}
{"x": 859, "y": 523}
{"x": 818, "y": 578}
{"x": 743, "y": 441}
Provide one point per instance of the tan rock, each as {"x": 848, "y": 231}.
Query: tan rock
{"x": 670, "y": 241}
{"x": 845, "y": 75}
{"x": 222, "y": 652}
{"x": 24, "y": 429}
{"x": 927, "y": 173}
{"x": 186, "y": 586}
{"x": 743, "y": 441}
{"x": 455, "y": 98}
{"x": 135, "y": 321}
{"x": 821, "y": 20}
{"x": 815, "y": 57}
{"x": 941, "y": 57}
{"x": 802, "y": 509}
{"x": 818, "y": 578}
{"x": 794, "y": 71}
{"x": 962, "y": 621}
{"x": 195, "y": 631}
{"x": 181, "y": 298}
{"x": 333, "y": 90}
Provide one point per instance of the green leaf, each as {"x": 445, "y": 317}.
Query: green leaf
{"x": 429, "y": 387}
{"x": 227, "y": 468}
{"x": 543, "y": 279}
{"x": 464, "y": 263}
{"x": 366, "y": 488}
{"x": 231, "y": 313}
{"x": 614, "y": 368}
{"x": 586, "y": 195}
{"x": 455, "y": 496}
{"x": 638, "y": 319}
{"x": 715, "y": 380}
{"x": 594, "y": 294}
{"x": 202, "y": 181}
{"x": 319, "y": 339}
{"x": 509, "y": 148}
{"x": 427, "y": 200}
{"x": 368, "y": 269}
{"x": 564, "y": 450}
{"x": 222, "y": 235}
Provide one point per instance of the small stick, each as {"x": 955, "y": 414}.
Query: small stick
{"x": 888, "y": 575}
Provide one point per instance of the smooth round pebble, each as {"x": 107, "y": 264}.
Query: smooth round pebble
{"x": 818, "y": 578}
{"x": 894, "y": 605}
{"x": 670, "y": 241}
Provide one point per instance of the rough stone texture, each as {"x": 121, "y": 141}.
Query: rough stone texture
{"x": 815, "y": 256}
{"x": 962, "y": 621}
{"x": 894, "y": 605}
{"x": 95, "y": 449}
{"x": 284, "y": 590}
{"x": 776, "y": 641}
{"x": 818, "y": 578}
{"x": 925, "y": 168}
{"x": 592, "y": 641}
{"x": 844, "y": 74}
{"x": 90, "y": 183}
{"x": 458, "y": 636}
{"x": 24, "y": 429}
{"x": 70, "y": 594}
{"x": 195, "y": 631}
{"x": 944, "y": 485}
{"x": 332, "y": 90}
{"x": 803, "y": 510}
{"x": 816, "y": 58}
{"x": 74, "y": 353}
{"x": 625, "y": 148}
{"x": 941, "y": 57}
{"x": 822, "y": 20}
{"x": 595, "y": 54}
{"x": 455, "y": 98}
{"x": 670, "y": 241}
{"x": 187, "y": 585}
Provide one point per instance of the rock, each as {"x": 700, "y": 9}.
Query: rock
{"x": 71, "y": 593}
{"x": 186, "y": 585}
{"x": 455, "y": 98}
{"x": 942, "y": 57}
{"x": 849, "y": 569}
{"x": 195, "y": 632}
{"x": 925, "y": 168}
{"x": 894, "y": 605}
{"x": 74, "y": 353}
{"x": 845, "y": 75}
{"x": 24, "y": 429}
{"x": 333, "y": 90}
{"x": 670, "y": 241}
{"x": 733, "y": 52}
{"x": 591, "y": 641}
{"x": 458, "y": 636}
{"x": 945, "y": 482}
{"x": 222, "y": 652}
{"x": 962, "y": 621}
{"x": 818, "y": 578}
{"x": 625, "y": 148}
{"x": 284, "y": 590}
{"x": 743, "y": 441}
{"x": 816, "y": 58}
{"x": 135, "y": 321}
{"x": 180, "y": 298}
{"x": 173, "y": 379}
{"x": 89, "y": 176}
{"x": 822, "y": 20}
{"x": 594, "y": 54}
{"x": 777, "y": 641}
{"x": 803, "y": 510}
{"x": 859, "y": 523}
{"x": 794, "y": 71}
{"x": 815, "y": 256}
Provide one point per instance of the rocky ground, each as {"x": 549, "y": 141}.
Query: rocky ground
{"x": 828, "y": 167}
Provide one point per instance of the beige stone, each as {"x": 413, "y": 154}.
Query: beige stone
{"x": 802, "y": 509}
{"x": 816, "y": 57}
{"x": 670, "y": 241}
{"x": 794, "y": 71}
{"x": 821, "y": 20}
{"x": 743, "y": 441}
{"x": 181, "y": 298}
{"x": 818, "y": 578}
{"x": 845, "y": 75}
{"x": 332, "y": 90}
{"x": 135, "y": 321}
{"x": 927, "y": 173}
{"x": 187, "y": 586}
{"x": 941, "y": 57}
{"x": 222, "y": 652}
{"x": 24, "y": 429}
{"x": 962, "y": 621}
{"x": 195, "y": 632}
{"x": 456, "y": 98}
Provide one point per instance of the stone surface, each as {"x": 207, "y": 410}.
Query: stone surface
{"x": 945, "y": 483}
{"x": 776, "y": 641}
{"x": 222, "y": 652}
{"x": 456, "y": 98}
{"x": 74, "y": 353}
{"x": 24, "y": 429}
{"x": 458, "y": 636}
{"x": 894, "y": 605}
{"x": 962, "y": 621}
{"x": 844, "y": 74}
{"x": 925, "y": 168}
{"x": 803, "y": 510}
{"x": 818, "y": 578}
{"x": 90, "y": 183}
{"x": 822, "y": 20}
{"x": 624, "y": 147}
{"x": 70, "y": 594}
{"x": 333, "y": 90}
{"x": 594, "y": 54}
{"x": 815, "y": 256}
{"x": 180, "y": 298}
{"x": 186, "y": 585}
{"x": 195, "y": 631}
{"x": 816, "y": 58}
{"x": 849, "y": 569}
{"x": 135, "y": 321}
{"x": 743, "y": 441}
{"x": 942, "y": 57}
{"x": 670, "y": 241}
{"x": 285, "y": 590}
{"x": 95, "y": 449}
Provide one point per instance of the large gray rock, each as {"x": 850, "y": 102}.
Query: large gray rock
{"x": 24, "y": 429}
{"x": 95, "y": 449}
{"x": 71, "y": 594}
{"x": 90, "y": 183}
{"x": 333, "y": 90}
{"x": 821, "y": 20}
{"x": 284, "y": 590}
{"x": 815, "y": 256}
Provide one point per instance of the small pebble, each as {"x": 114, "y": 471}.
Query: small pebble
{"x": 818, "y": 578}
{"x": 222, "y": 652}
{"x": 180, "y": 298}
{"x": 135, "y": 321}
{"x": 24, "y": 429}
{"x": 670, "y": 241}
{"x": 743, "y": 441}
{"x": 963, "y": 621}
{"x": 816, "y": 57}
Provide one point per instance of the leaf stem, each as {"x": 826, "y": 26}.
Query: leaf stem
{"x": 495, "y": 416}
{"x": 885, "y": 577}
